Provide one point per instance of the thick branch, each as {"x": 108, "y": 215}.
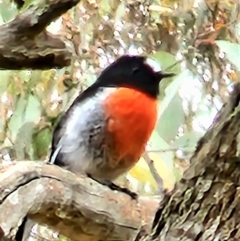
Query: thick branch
{"x": 78, "y": 208}
{"x": 205, "y": 205}
{"x": 24, "y": 43}
{"x": 39, "y": 15}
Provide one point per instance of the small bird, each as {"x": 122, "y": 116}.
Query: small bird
{"x": 104, "y": 132}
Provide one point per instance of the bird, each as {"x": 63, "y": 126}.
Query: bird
{"x": 105, "y": 130}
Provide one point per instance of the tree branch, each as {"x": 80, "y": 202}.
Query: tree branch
{"x": 24, "y": 43}
{"x": 205, "y": 204}
{"x": 76, "y": 207}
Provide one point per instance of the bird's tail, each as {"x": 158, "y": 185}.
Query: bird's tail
{"x": 54, "y": 155}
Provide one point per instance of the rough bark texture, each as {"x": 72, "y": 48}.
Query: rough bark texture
{"x": 205, "y": 205}
{"x": 24, "y": 43}
{"x": 77, "y": 207}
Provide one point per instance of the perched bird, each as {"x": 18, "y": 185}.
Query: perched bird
{"x": 105, "y": 130}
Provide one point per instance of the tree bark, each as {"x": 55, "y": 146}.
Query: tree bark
{"x": 205, "y": 205}
{"x": 76, "y": 207}
{"x": 24, "y": 42}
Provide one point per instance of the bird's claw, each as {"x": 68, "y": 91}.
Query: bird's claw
{"x": 115, "y": 187}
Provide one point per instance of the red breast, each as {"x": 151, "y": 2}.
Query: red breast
{"x": 132, "y": 118}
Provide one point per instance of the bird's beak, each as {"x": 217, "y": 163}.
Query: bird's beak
{"x": 165, "y": 75}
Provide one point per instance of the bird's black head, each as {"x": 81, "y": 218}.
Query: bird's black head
{"x": 137, "y": 72}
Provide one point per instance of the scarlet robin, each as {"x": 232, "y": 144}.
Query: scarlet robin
{"x": 104, "y": 132}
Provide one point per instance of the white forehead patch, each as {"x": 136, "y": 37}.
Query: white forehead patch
{"x": 153, "y": 64}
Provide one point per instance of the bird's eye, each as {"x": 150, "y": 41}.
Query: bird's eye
{"x": 135, "y": 70}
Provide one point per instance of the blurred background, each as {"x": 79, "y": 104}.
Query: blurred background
{"x": 198, "y": 40}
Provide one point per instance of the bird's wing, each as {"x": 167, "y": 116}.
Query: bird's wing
{"x": 81, "y": 129}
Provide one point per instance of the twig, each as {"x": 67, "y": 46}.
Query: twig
{"x": 154, "y": 173}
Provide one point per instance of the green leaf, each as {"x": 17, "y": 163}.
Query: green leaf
{"x": 5, "y": 77}
{"x": 121, "y": 10}
{"x": 166, "y": 60}
{"x": 188, "y": 141}
{"x": 41, "y": 141}
{"x": 24, "y": 75}
{"x": 31, "y": 116}
{"x": 33, "y": 110}
{"x": 23, "y": 141}
{"x": 26, "y": 113}
{"x": 157, "y": 143}
{"x": 171, "y": 114}
{"x": 232, "y": 51}
{"x": 171, "y": 119}
{"x": 1, "y": 18}
{"x": 104, "y": 7}
{"x": 237, "y": 28}
{"x": 16, "y": 120}
{"x": 172, "y": 90}
{"x": 7, "y": 11}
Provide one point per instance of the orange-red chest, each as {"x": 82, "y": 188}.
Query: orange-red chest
{"x": 132, "y": 118}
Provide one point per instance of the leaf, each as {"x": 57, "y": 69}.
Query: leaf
{"x": 32, "y": 115}
{"x": 23, "y": 141}
{"x": 104, "y": 7}
{"x": 237, "y": 29}
{"x": 33, "y": 110}
{"x": 163, "y": 162}
{"x": 1, "y": 19}
{"x": 16, "y": 120}
{"x": 7, "y": 11}
{"x": 142, "y": 173}
{"x": 171, "y": 115}
{"x": 121, "y": 10}
{"x": 5, "y": 78}
{"x": 26, "y": 113}
{"x": 157, "y": 143}
{"x": 41, "y": 141}
{"x": 232, "y": 51}
{"x": 24, "y": 75}
{"x": 166, "y": 60}
{"x": 163, "y": 170}
{"x": 188, "y": 141}
{"x": 173, "y": 88}
{"x": 171, "y": 119}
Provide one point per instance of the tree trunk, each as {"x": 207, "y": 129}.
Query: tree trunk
{"x": 205, "y": 205}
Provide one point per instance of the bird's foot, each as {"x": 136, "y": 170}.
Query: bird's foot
{"x": 115, "y": 187}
